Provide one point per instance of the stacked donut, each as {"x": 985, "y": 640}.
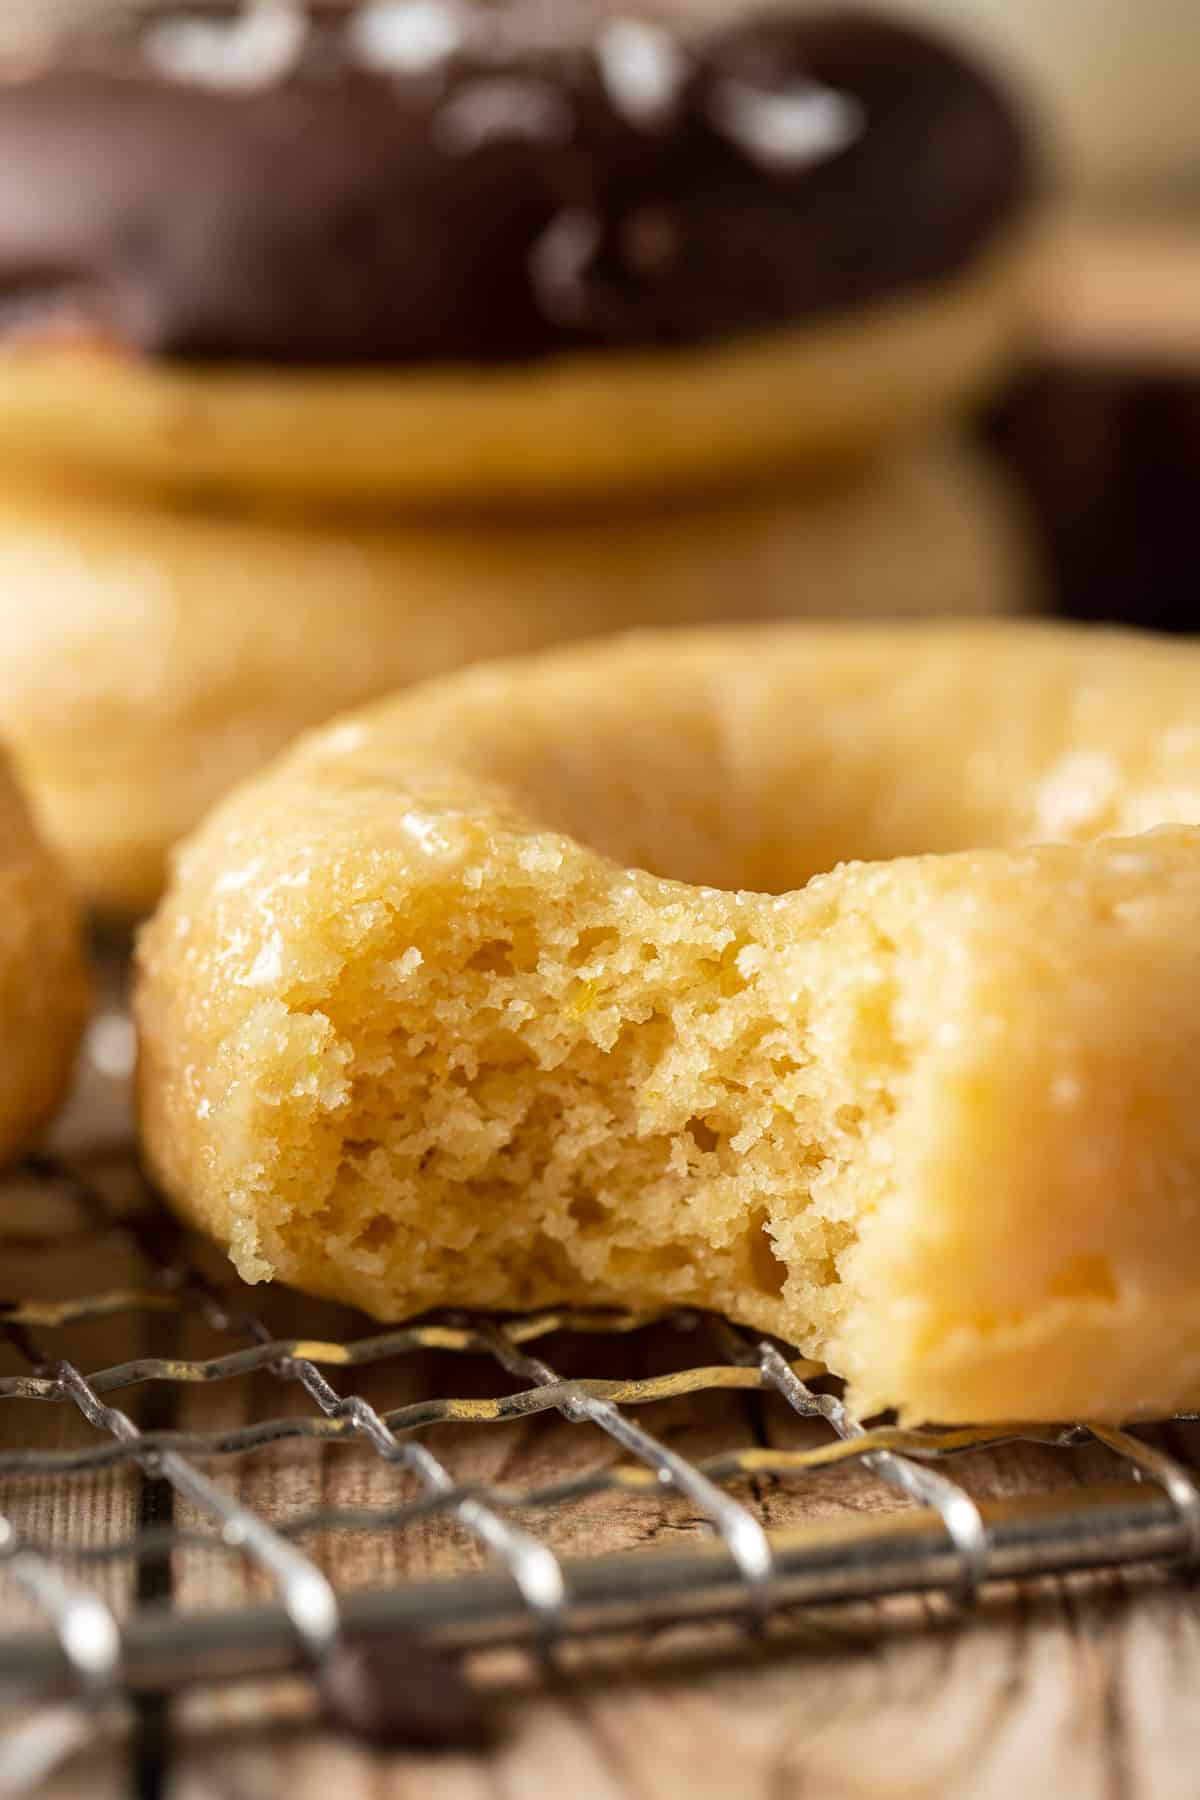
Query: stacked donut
{"x": 344, "y": 343}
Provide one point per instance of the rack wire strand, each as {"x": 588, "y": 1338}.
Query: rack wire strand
{"x": 86, "y": 1654}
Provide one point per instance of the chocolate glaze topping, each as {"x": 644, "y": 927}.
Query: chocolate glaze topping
{"x": 391, "y": 181}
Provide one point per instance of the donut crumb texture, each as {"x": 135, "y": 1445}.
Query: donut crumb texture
{"x": 529, "y": 988}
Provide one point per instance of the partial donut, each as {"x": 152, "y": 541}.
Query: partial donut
{"x": 43, "y": 980}
{"x": 156, "y": 655}
{"x": 439, "y": 248}
{"x": 549, "y": 982}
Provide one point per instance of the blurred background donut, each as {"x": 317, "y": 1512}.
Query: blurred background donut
{"x": 341, "y": 344}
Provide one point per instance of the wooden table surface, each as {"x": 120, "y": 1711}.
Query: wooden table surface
{"x": 1090, "y": 1686}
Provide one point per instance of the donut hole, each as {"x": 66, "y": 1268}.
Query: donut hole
{"x": 757, "y": 780}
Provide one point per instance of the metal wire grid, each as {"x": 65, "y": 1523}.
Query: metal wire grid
{"x": 86, "y": 1656}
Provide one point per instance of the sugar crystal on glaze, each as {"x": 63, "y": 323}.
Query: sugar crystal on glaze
{"x": 724, "y": 988}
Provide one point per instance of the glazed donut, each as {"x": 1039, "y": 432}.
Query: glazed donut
{"x": 156, "y": 655}
{"x": 436, "y": 248}
{"x": 341, "y": 345}
{"x": 43, "y": 983}
{"x": 549, "y": 982}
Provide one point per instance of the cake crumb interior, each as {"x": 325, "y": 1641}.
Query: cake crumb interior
{"x": 602, "y": 1069}
{"x": 529, "y": 988}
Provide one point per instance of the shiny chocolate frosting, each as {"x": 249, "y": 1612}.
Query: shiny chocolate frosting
{"x": 396, "y": 181}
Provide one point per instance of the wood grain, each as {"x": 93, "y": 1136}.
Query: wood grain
{"x": 1088, "y": 1687}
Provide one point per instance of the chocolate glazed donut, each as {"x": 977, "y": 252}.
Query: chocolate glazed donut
{"x": 416, "y": 181}
{"x": 341, "y": 346}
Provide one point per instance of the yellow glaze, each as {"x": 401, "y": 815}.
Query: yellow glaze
{"x": 550, "y": 982}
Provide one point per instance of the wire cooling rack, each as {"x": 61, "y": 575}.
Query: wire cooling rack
{"x": 128, "y": 1330}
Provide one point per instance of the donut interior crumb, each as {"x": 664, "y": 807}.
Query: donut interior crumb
{"x": 560, "y": 1095}
{"x": 551, "y": 1075}
{"x": 530, "y": 989}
